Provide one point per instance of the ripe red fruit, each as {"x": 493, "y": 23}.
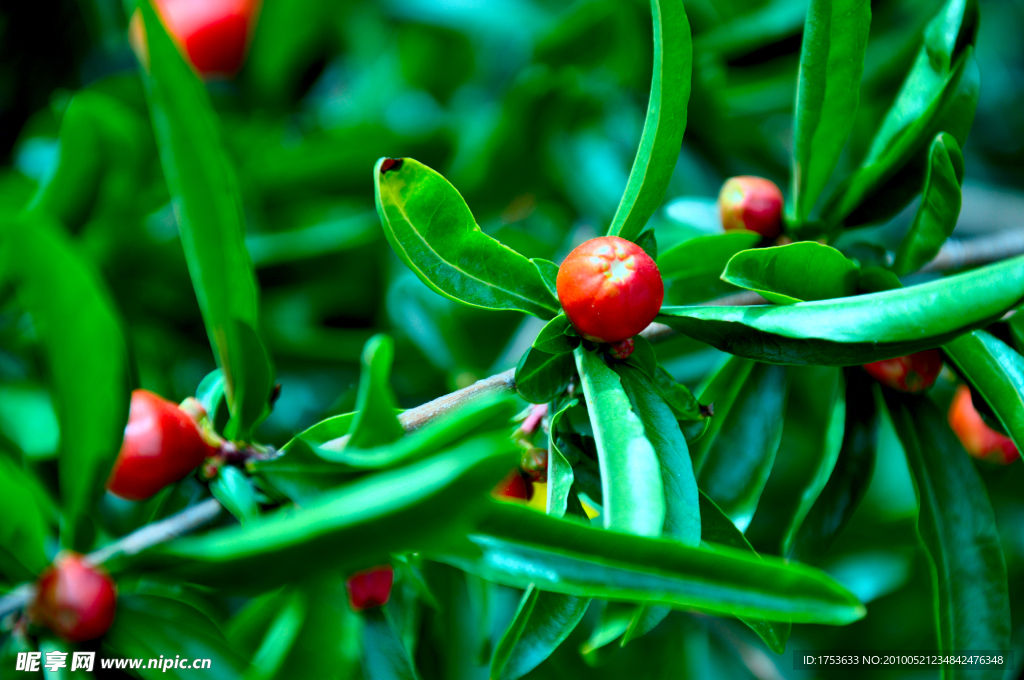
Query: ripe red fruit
{"x": 370, "y": 588}
{"x": 74, "y": 599}
{"x": 751, "y": 203}
{"x": 514, "y": 485}
{"x": 213, "y": 34}
{"x": 162, "y": 444}
{"x": 980, "y": 440}
{"x": 610, "y": 289}
{"x": 911, "y": 373}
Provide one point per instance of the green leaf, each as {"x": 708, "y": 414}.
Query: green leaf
{"x": 552, "y": 338}
{"x": 940, "y": 206}
{"x": 682, "y": 514}
{"x": 940, "y": 94}
{"x": 208, "y": 208}
{"x": 375, "y": 422}
{"x": 280, "y": 636}
{"x": 958, "y": 531}
{"x": 299, "y": 473}
{"x": 832, "y": 51}
{"x": 631, "y": 485}
{"x": 738, "y": 460}
{"x": 548, "y": 274}
{"x": 718, "y": 528}
{"x": 997, "y": 372}
{"x": 810, "y": 445}
{"x": 861, "y": 329}
{"x": 23, "y": 526}
{"x": 384, "y": 655}
{"x": 235, "y": 493}
{"x": 794, "y": 273}
{"x": 692, "y": 270}
{"x": 648, "y": 242}
{"x": 543, "y": 621}
{"x": 678, "y": 397}
{"x": 149, "y": 626}
{"x": 850, "y": 477}
{"x": 402, "y": 510}
{"x": 721, "y": 392}
{"x": 560, "y": 475}
{"x": 432, "y": 230}
{"x": 517, "y": 546}
{"x": 75, "y": 319}
{"x": 666, "y": 120}
{"x": 541, "y": 377}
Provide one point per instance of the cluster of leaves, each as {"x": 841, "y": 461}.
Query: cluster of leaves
{"x": 683, "y": 499}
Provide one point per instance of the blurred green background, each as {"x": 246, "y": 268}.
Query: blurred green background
{"x": 533, "y": 110}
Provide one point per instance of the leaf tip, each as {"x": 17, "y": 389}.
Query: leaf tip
{"x": 388, "y": 164}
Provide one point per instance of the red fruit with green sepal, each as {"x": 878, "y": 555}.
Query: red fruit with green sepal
{"x": 370, "y": 588}
{"x": 911, "y": 373}
{"x": 751, "y": 203}
{"x": 610, "y": 289}
{"x": 162, "y": 444}
{"x": 74, "y": 599}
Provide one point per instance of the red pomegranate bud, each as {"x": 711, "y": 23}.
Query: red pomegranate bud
{"x": 370, "y": 588}
{"x": 610, "y": 289}
{"x": 162, "y": 444}
{"x": 74, "y": 599}
{"x": 514, "y": 486}
{"x": 751, "y": 203}
{"x": 911, "y": 373}
{"x": 213, "y": 34}
{"x": 980, "y": 440}
{"x": 622, "y": 350}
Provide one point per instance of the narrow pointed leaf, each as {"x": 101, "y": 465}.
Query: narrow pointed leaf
{"x": 666, "y": 121}
{"x": 958, "y": 531}
{"x": 518, "y": 546}
{"x": 682, "y": 513}
{"x": 560, "y": 475}
{"x": 794, "y": 273}
{"x": 940, "y": 206}
{"x": 719, "y": 529}
{"x": 23, "y": 526}
{"x": 811, "y": 440}
{"x": 831, "y": 62}
{"x": 208, "y": 208}
{"x": 632, "y": 491}
{"x": 541, "y": 377}
{"x": 721, "y": 392}
{"x": 432, "y": 230}
{"x": 384, "y": 655}
{"x": 859, "y": 329}
{"x": 997, "y": 372}
{"x": 375, "y": 422}
{"x": 737, "y": 463}
{"x": 85, "y": 352}
{"x": 850, "y": 478}
{"x": 940, "y": 94}
{"x": 543, "y": 621}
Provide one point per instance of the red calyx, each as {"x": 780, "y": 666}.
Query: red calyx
{"x": 214, "y": 34}
{"x": 515, "y": 486}
{"x": 751, "y": 203}
{"x": 162, "y": 444}
{"x": 622, "y": 350}
{"x": 370, "y": 588}
{"x": 74, "y": 599}
{"x": 911, "y": 373}
{"x": 980, "y": 440}
{"x": 610, "y": 289}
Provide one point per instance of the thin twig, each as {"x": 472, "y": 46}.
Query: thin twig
{"x": 135, "y": 542}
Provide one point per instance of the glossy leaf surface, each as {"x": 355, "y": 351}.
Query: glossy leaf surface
{"x": 794, "y": 273}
